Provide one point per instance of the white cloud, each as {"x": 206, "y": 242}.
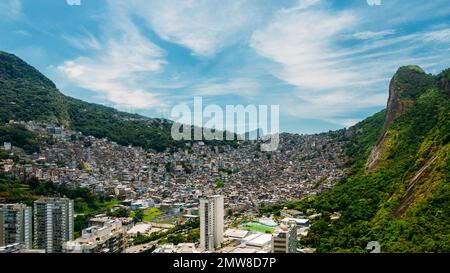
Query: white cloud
{"x": 333, "y": 106}
{"x": 366, "y": 35}
{"x": 124, "y": 67}
{"x": 10, "y": 9}
{"x": 243, "y": 87}
{"x": 335, "y": 77}
{"x": 118, "y": 66}
{"x": 331, "y": 65}
{"x": 73, "y": 2}
{"x": 203, "y": 26}
{"x": 442, "y": 36}
{"x": 301, "y": 4}
{"x": 86, "y": 41}
{"x": 301, "y": 41}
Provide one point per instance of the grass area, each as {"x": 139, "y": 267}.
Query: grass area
{"x": 108, "y": 205}
{"x": 254, "y": 226}
{"x": 149, "y": 215}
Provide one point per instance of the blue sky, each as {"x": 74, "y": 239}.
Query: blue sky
{"x": 326, "y": 63}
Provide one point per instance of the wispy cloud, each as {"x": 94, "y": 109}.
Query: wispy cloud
{"x": 315, "y": 60}
{"x": 204, "y": 26}
{"x": 301, "y": 41}
{"x": 10, "y": 9}
{"x": 85, "y": 41}
{"x": 118, "y": 66}
{"x": 366, "y": 35}
{"x": 337, "y": 71}
{"x": 124, "y": 66}
{"x": 242, "y": 87}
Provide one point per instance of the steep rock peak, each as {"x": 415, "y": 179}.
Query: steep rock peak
{"x": 408, "y": 83}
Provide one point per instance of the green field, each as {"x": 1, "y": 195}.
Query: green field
{"x": 254, "y": 226}
{"x": 149, "y": 215}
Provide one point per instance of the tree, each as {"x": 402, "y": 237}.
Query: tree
{"x": 138, "y": 215}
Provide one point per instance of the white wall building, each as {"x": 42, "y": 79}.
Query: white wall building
{"x": 107, "y": 238}
{"x": 7, "y": 146}
{"x": 211, "y": 222}
{"x": 15, "y": 225}
{"x": 53, "y": 223}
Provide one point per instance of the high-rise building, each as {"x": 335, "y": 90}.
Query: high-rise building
{"x": 105, "y": 238}
{"x": 284, "y": 239}
{"x": 53, "y": 223}
{"x": 211, "y": 222}
{"x": 15, "y": 225}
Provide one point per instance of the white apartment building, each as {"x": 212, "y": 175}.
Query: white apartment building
{"x": 211, "y": 222}
{"x": 15, "y": 225}
{"x": 107, "y": 238}
{"x": 7, "y": 146}
{"x": 53, "y": 223}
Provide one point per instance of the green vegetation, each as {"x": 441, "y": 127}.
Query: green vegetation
{"x": 415, "y": 68}
{"x": 120, "y": 213}
{"x": 225, "y": 170}
{"x": 254, "y": 226}
{"x": 27, "y": 95}
{"x": 151, "y": 214}
{"x": 125, "y": 129}
{"x": 188, "y": 231}
{"x": 86, "y": 203}
{"x": 405, "y": 202}
{"x": 219, "y": 183}
{"x": 145, "y": 215}
{"x": 20, "y": 137}
{"x": 361, "y": 138}
{"x": 444, "y": 75}
{"x": 192, "y": 236}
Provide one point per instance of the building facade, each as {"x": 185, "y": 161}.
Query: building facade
{"x": 211, "y": 222}
{"x": 284, "y": 240}
{"x": 15, "y": 225}
{"x": 53, "y": 223}
{"x": 106, "y": 238}
{"x": 7, "y": 146}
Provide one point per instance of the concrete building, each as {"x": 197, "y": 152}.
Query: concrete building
{"x": 19, "y": 248}
{"x": 107, "y": 238}
{"x": 15, "y": 225}
{"x": 211, "y": 222}
{"x": 53, "y": 223}
{"x": 284, "y": 239}
{"x": 7, "y": 146}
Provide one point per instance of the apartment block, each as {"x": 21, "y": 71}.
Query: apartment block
{"x": 53, "y": 223}
{"x": 284, "y": 239}
{"x": 15, "y": 225}
{"x": 211, "y": 222}
{"x": 107, "y": 238}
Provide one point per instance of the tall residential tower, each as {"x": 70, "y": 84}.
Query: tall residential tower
{"x": 53, "y": 223}
{"x": 211, "y": 222}
{"x": 15, "y": 225}
{"x": 284, "y": 240}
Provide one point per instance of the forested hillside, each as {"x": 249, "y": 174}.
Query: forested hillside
{"x": 403, "y": 200}
{"x": 27, "y": 95}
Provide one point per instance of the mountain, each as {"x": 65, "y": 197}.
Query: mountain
{"x": 399, "y": 191}
{"x": 405, "y": 88}
{"x": 28, "y": 95}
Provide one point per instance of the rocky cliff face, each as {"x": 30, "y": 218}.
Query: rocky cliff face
{"x": 406, "y": 86}
{"x": 445, "y": 84}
